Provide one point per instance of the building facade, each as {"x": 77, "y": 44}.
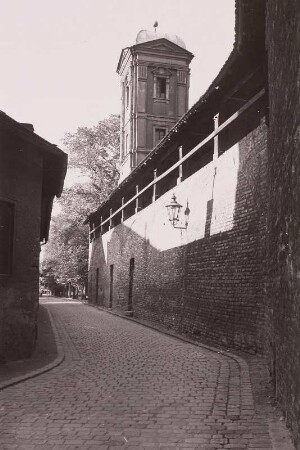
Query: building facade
{"x": 154, "y": 83}
{"x": 32, "y": 172}
{"x": 227, "y": 271}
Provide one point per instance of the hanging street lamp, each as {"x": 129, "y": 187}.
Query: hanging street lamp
{"x": 174, "y": 209}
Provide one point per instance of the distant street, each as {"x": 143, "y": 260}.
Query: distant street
{"x": 123, "y": 385}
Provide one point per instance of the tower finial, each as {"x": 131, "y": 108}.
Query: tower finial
{"x": 155, "y": 25}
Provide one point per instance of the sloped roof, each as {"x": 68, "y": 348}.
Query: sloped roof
{"x": 56, "y": 158}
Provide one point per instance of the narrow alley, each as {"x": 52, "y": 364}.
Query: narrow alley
{"x": 123, "y": 385}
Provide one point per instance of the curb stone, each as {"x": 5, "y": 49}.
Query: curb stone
{"x": 57, "y": 361}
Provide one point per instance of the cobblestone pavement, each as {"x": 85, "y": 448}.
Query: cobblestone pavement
{"x": 123, "y": 385}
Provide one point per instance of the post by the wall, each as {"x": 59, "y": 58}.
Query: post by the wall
{"x": 216, "y": 138}
{"x": 101, "y": 226}
{"x": 154, "y": 196}
{"x": 137, "y": 207}
{"x": 110, "y": 219}
{"x": 122, "y": 213}
{"x": 180, "y": 177}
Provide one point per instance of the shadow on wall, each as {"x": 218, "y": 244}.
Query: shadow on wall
{"x": 206, "y": 281}
{"x": 223, "y": 297}
{"x": 210, "y": 195}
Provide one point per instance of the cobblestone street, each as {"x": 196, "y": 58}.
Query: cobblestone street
{"x": 125, "y": 385}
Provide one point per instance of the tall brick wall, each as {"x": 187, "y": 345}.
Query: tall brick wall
{"x": 21, "y": 181}
{"x": 208, "y": 280}
{"x": 283, "y": 349}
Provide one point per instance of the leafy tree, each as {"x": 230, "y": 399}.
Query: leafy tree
{"x": 94, "y": 152}
{"x": 67, "y": 251}
{"x": 49, "y": 282}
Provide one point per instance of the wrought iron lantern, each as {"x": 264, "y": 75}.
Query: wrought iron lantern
{"x": 174, "y": 209}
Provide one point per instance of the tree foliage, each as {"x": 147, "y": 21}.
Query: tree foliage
{"x": 94, "y": 152}
{"x": 67, "y": 251}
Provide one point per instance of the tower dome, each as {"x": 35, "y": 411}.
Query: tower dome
{"x": 150, "y": 35}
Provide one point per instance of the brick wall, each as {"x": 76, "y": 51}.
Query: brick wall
{"x": 21, "y": 183}
{"x": 208, "y": 280}
{"x": 283, "y": 349}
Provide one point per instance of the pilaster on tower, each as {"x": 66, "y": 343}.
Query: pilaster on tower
{"x": 155, "y": 77}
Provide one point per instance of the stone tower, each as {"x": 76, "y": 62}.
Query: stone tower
{"x": 155, "y": 85}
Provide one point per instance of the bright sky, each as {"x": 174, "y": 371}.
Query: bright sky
{"x": 59, "y": 57}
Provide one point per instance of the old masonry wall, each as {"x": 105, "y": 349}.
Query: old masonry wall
{"x": 21, "y": 186}
{"x": 283, "y": 289}
{"x": 208, "y": 280}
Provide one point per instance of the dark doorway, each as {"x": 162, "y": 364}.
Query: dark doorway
{"x": 97, "y": 285}
{"x": 111, "y": 286}
{"x": 131, "y": 272}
